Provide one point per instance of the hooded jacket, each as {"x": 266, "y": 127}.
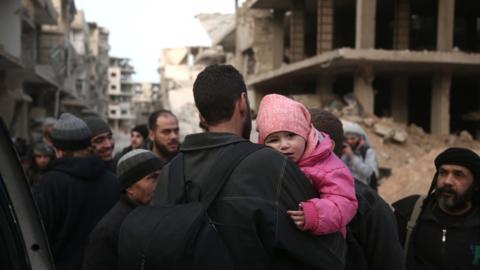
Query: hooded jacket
{"x": 364, "y": 162}
{"x": 337, "y": 203}
{"x": 72, "y": 197}
{"x": 250, "y": 211}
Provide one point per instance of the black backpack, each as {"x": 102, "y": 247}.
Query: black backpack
{"x": 180, "y": 235}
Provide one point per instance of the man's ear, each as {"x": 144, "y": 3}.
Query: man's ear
{"x": 128, "y": 191}
{"x": 59, "y": 153}
{"x": 202, "y": 120}
{"x": 151, "y": 135}
{"x": 243, "y": 106}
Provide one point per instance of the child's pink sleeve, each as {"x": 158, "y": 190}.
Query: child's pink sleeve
{"x": 337, "y": 204}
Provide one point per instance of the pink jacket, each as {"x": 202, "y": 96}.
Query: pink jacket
{"x": 331, "y": 178}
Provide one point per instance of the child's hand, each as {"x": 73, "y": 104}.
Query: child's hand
{"x": 298, "y": 218}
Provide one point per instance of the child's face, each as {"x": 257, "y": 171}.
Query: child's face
{"x": 287, "y": 143}
{"x": 42, "y": 161}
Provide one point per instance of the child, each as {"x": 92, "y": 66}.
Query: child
{"x": 285, "y": 125}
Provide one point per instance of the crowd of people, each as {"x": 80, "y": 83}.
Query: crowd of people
{"x": 306, "y": 199}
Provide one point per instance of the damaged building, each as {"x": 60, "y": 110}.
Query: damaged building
{"x": 415, "y": 61}
{"x": 46, "y": 63}
{"x": 120, "y": 93}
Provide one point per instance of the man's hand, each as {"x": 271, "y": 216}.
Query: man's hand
{"x": 347, "y": 151}
{"x": 298, "y": 218}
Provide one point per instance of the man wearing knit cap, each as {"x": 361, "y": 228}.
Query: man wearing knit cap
{"x": 446, "y": 232}
{"x": 359, "y": 155}
{"x": 138, "y": 137}
{"x": 102, "y": 140}
{"x": 43, "y": 154}
{"x": 75, "y": 193}
{"x": 138, "y": 171}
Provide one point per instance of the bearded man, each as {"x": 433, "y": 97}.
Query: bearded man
{"x": 441, "y": 230}
{"x": 163, "y": 134}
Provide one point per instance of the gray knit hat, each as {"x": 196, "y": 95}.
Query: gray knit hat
{"x": 97, "y": 125}
{"x": 70, "y": 133}
{"x": 137, "y": 164}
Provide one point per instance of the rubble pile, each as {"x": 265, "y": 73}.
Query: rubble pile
{"x": 409, "y": 153}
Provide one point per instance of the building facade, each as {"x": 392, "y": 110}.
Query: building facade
{"x": 415, "y": 61}
{"x": 120, "y": 92}
{"x": 145, "y": 99}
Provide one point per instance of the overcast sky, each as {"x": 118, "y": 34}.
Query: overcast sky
{"x": 140, "y": 29}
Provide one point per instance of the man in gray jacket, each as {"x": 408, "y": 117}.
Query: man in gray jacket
{"x": 250, "y": 211}
{"x": 359, "y": 155}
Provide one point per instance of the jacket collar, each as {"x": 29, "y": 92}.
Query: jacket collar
{"x": 208, "y": 140}
{"x": 471, "y": 219}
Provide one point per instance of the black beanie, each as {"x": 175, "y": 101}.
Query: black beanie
{"x": 142, "y": 129}
{"x": 137, "y": 164}
{"x": 462, "y": 157}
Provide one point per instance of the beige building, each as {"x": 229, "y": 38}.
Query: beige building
{"x": 178, "y": 69}
{"x": 145, "y": 99}
{"x": 415, "y": 61}
{"x": 120, "y": 93}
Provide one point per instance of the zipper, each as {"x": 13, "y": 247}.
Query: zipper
{"x": 444, "y": 241}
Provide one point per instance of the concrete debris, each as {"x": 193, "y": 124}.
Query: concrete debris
{"x": 369, "y": 121}
{"x": 383, "y": 130}
{"x": 391, "y": 133}
{"x": 400, "y": 136}
{"x": 465, "y": 136}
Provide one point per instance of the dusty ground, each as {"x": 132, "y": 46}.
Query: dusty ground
{"x": 412, "y": 162}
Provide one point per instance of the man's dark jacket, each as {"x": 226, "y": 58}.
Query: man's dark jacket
{"x": 72, "y": 197}
{"x": 102, "y": 251}
{"x": 372, "y": 236}
{"x": 251, "y": 210}
{"x": 427, "y": 250}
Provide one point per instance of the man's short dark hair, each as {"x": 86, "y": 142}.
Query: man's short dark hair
{"x": 216, "y": 90}
{"x": 327, "y": 122}
{"x": 152, "y": 119}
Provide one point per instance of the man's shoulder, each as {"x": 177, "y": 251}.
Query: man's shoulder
{"x": 113, "y": 219}
{"x": 267, "y": 154}
{"x": 405, "y": 205}
{"x": 56, "y": 176}
{"x": 266, "y": 159}
{"x": 367, "y": 197}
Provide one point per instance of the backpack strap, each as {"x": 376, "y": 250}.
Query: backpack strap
{"x": 417, "y": 209}
{"x": 176, "y": 192}
{"x": 226, "y": 162}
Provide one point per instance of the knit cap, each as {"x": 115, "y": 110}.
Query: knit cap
{"x": 137, "y": 164}
{"x": 42, "y": 149}
{"x": 71, "y": 133}
{"x": 49, "y": 121}
{"x": 142, "y": 129}
{"x": 280, "y": 113}
{"x": 462, "y": 157}
{"x": 97, "y": 125}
